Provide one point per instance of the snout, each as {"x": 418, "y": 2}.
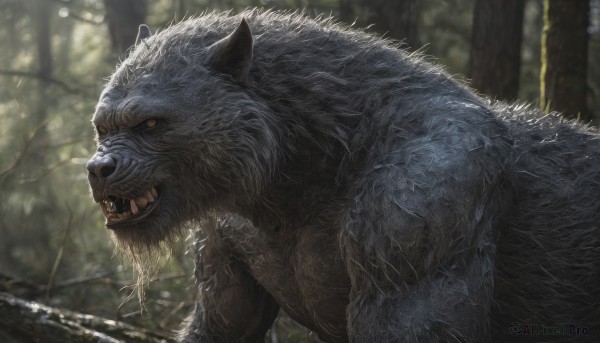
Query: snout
{"x": 101, "y": 166}
{"x": 125, "y": 193}
{"x": 101, "y": 169}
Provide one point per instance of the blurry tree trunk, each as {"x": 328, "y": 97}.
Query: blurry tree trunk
{"x": 66, "y": 32}
{"x": 41, "y": 10}
{"x": 11, "y": 9}
{"x": 347, "y": 11}
{"x": 40, "y": 143}
{"x": 180, "y": 10}
{"x": 496, "y": 36}
{"x": 123, "y": 18}
{"x": 563, "y": 76}
{"x": 397, "y": 19}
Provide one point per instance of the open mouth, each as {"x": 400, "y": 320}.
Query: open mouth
{"x": 120, "y": 210}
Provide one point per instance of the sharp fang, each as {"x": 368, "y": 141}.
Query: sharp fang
{"x": 154, "y": 192}
{"x": 134, "y": 208}
{"x": 149, "y": 196}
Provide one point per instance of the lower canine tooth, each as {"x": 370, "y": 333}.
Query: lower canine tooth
{"x": 154, "y": 192}
{"x": 134, "y": 208}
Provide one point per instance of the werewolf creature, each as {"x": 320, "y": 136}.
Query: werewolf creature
{"x": 349, "y": 183}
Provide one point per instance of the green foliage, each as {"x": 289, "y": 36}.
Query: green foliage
{"x": 52, "y": 232}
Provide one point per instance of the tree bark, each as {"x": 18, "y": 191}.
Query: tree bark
{"x": 496, "y": 37}
{"x": 397, "y": 19}
{"x": 123, "y": 18}
{"x": 563, "y": 79}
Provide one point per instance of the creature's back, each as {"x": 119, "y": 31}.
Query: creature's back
{"x": 548, "y": 253}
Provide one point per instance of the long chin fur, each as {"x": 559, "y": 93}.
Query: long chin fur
{"x": 145, "y": 250}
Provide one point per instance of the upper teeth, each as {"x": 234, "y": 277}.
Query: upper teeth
{"x": 110, "y": 207}
{"x": 143, "y": 201}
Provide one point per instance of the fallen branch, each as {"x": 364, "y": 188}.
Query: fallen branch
{"x": 29, "y": 290}
{"x": 34, "y": 322}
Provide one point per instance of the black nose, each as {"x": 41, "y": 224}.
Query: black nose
{"x": 101, "y": 166}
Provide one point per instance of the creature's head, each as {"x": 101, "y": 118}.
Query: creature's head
{"x": 178, "y": 133}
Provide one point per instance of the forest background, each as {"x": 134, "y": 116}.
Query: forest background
{"x": 55, "y": 56}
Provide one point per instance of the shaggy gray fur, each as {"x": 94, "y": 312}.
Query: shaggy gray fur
{"x": 355, "y": 186}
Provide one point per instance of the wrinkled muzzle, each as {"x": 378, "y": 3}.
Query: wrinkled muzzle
{"x": 121, "y": 185}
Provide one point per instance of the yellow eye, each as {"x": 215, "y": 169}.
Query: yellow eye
{"x": 101, "y": 130}
{"x": 151, "y": 123}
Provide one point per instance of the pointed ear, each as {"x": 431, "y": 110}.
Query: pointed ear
{"x": 143, "y": 33}
{"x": 232, "y": 55}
